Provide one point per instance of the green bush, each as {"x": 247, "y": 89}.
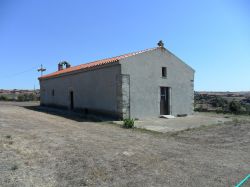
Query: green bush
{"x": 219, "y": 110}
{"x": 21, "y": 97}
{"x": 14, "y": 167}
{"x": 128, "y": 123}
{"x": 200, "y": 109}
{"x": 3, "y": 98}
{"x": 247, "y": 109}
{"x": 27, "y": 97}
{"x": 235, "y": 107}
{"x": 31, "y": 97}
{"x": 218, "y": 102}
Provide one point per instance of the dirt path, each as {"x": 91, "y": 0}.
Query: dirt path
{"x": 39, "y": 149}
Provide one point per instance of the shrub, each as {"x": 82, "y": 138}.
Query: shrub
{"x": 31, "y": 97}
{"x": 27, "y": 97}
{"x": 8, "y": 136}
{"x": 21, "y": 97}
{"x": 128, "y": 123}
{"x": 218, "y": 102}
{"x": 3, "y": 98}
{"x": 200, "y": 109}
{"x": 219, "y": 110}
{"x": 235, "y": 107}
{"x": 247, "y": 106}
{"x": 14, "y": 167}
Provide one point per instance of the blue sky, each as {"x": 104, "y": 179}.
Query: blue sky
{"x": 212, "y": 36}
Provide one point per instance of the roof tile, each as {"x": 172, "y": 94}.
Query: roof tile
{"x": 93, "y": 64}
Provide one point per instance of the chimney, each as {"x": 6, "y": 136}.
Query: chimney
{"x": 60, "y": 66}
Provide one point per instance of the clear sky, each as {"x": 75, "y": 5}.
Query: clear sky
{"x": 212, "y": 36}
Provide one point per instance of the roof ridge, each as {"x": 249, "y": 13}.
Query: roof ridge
{"x": 95, "y": 63}
{"x": 121, "y": 56}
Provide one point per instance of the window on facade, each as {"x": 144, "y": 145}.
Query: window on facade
{"x": 164, "y": 72}
{"x": 53, "y": 92}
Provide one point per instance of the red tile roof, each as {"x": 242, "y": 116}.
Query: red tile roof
{"x": 93, "y": 64}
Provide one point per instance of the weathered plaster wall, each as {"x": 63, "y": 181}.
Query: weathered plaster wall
{"x": 146, "y": 79}
{"x": 95, "y": 89}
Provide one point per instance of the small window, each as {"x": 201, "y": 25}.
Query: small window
{"x": 164, "y": 72}
{"x": 53, "y": 92}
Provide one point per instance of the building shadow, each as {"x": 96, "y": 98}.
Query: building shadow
{"x": 72, "y": 115}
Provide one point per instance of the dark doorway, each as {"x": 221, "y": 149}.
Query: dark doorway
{"x": 164, "y": 103}
{"x": 71, "y": 100}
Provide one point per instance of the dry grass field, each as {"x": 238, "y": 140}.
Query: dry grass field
{"x": 41, "y": 149}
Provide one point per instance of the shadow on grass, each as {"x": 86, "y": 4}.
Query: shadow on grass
{"x": 76, "y": 116}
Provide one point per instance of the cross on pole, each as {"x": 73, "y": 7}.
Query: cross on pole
{"x": 41, "y": 69}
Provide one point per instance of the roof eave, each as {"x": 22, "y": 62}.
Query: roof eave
{"x": 80, "y": 70}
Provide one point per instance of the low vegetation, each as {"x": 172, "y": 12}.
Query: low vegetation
{"x": 4, "y": 98}
{"x": 19, "y": 97}
{"x": 222, "y": 104}
{"x": 14, "y": 167}
{"x": 27, "y": 97}
{"x": 128, "y": 123}
{"x": 8, "y": 136}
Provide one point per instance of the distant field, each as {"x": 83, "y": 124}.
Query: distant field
{"x": 227, "y": 102}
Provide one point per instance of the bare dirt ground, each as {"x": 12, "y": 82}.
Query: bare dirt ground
{"x": 40, "y": 149}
